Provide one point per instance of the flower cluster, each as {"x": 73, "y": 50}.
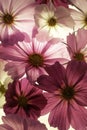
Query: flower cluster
{"x": 43, "y": 64}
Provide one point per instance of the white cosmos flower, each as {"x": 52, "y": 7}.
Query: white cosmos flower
{"x": 50, "y": 19}
{"x": 80, "y": 13}
{"x": 4, "y": 81}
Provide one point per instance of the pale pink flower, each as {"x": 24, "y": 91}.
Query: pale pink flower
{"x": 30, "y": 57}
{"x": 77, "y": 45}
{"x": 24, "y": 99}
{"x": 15, "y": 122}
{"x": 80, "y": 13}
{"x": 15, "y": 16}
{"x": 49, "y": 20}
{"x": 67, "y": 95}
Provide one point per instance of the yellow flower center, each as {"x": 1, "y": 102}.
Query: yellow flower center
{"x": 2, "y": 89}
{"x": 52, "y": 22}
{"x": 8, "y": 19}
{"x": 36, "y": 60}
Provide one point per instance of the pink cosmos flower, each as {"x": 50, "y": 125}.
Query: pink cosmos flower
{"x": 77, "y": 45}
{"x": 24, "y": 99}
{"x": 15, "y": 122}
{"x": 67, "y": 95}
{"x": 49, "y": 20}
{"x": 30, "y": 57}
{"x": 15, "y": 16}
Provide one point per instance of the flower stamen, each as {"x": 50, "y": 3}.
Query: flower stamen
{"x": 85, "y": 20}
{"x": 2, "y": 89}
{"x": 8, "y": 18}
{"x": 78, "y": 56}
{"x": 52, "y": 22}
{"x": 68, "y": 93}
{"x": 22, "y": 101}
{"x": 36, "y": 60}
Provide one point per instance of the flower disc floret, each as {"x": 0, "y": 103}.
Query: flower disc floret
{"x": 52, "y": 21}
{"x": 22, "y": 101}
{"x": 68, "y": 93}
{"x": 2, "y": 89}
{"x": 8, "y": 18}
{"x": 36, "y": 60}
{"x": 85, "y": 20}
{"x": 79, "y": 56}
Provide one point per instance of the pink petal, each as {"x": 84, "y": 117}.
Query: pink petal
{"x": 59, "y": 116}
{"x": 81, "y": 92}
{"x": 81, "y": 38}
{"x": 57, "y": 72}
{"x": 77, "y": 42}
{"x": 72, "y": 44}
{"x": 52, "y": 101}
{"x": 46, "y": 83}
{"x": 78, "y": 116}
{"x": 17, "y": 123}
{"x": 75, "y": 71}
{"x": 64, "y": 17}
{"x": 15, "y": 69}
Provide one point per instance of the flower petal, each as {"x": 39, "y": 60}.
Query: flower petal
{"x": 59, "y": 116}
{"x": 75, "y": 72}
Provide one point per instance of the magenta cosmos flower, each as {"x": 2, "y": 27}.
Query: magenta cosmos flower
{"x": 41, "y": 1}
{"x": 77, "y": 45}
{"x": 31, "y": 57}
{"x": 15, "y": 122}
{"x": 67, "y": 95}
{"x": 24, "y": 99}
{"x": 55, "y": 2}
{"x": 15, "y": 16}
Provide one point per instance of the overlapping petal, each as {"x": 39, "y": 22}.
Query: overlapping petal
{"x": 26, "y": 100}
{"x": 15, "y": 122}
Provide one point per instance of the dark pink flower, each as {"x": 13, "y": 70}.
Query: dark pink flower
{"x": 24, "y": 99}
{"x": 57, "y": 3}
{"x": 31, "y": 57}
{"x": 15, "y": 122}
{"x": 41, "y": 1}
{"x": 67, "y": 97}
{"x": 77, "y": 45}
